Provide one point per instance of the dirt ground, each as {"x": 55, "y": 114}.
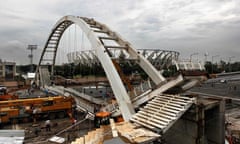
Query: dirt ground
{"x": 37, "y": 133}
{"x": 233, "y": 123}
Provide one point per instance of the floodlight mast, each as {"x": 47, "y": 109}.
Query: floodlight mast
{"x": 31, "y": 48}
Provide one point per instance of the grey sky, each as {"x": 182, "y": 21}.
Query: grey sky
{"x": 187, "y": 26}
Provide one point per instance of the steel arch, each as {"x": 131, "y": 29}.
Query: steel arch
{"x": 92, "y": 29}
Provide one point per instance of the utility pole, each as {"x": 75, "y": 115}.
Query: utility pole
{"x": 206, "y": 55}
{"x": 31, "y": 48}
{"x": 230, "y": 59}
{"x": 192, "y": 55}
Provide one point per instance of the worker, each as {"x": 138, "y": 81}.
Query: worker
{"x": 36, "y": 131}
{"x": 14, "y": 124}
{"x": 46, "y": 92}
{"x": 35, "y": 110}
{"x": 33, "y": 84}
{"x": 73, "y": 120}
{"x": 0, "y": 123}
{"x": 48, "y": 125}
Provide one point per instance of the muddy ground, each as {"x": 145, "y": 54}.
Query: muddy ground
{"x": 37, "y": 133}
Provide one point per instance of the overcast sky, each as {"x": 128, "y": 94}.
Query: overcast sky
{"x": 187, "y": 26}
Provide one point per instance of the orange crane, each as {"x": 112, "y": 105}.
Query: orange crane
{"x": 29, "y": 109}
{"x": 5, "y": 97}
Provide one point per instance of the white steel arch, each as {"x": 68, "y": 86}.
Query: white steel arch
{"x": 92, "y": 28}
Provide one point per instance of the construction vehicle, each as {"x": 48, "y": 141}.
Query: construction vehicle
{"x": 36, "y": 108}
{"x": 3, "y": 89}
{"x": 5, "y": 97}
{"x": 102, "y": 118}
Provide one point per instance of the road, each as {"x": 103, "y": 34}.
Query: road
{"x": 227, "y": 86}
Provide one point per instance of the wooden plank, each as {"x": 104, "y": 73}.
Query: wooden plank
{"x": 141, "y": 123}
{"x": 153, "y": 119}
{"x": 170, "y": 118}
{"x": 155, "y": 115}
{"x": 159, "y": 103}
{"x": 163, "y": 109}
{"x": 148, "y": 109}
{"x": 179, "y": 97}
{"x": 172, "y": 98}
{"x": 172, "y": 101}
{"x": 136, "y": 134}
{"x": 167, "y": 106}
{"x": 149, "y": 122}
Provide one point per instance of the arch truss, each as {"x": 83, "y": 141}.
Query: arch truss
{"x": 160, "y": 59}
{"x": 83, "y": 57}
{"x": 103, "y": 41}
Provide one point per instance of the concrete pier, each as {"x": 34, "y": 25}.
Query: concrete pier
{"x": 203, "y": 123}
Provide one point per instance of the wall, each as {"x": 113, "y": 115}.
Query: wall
{"x": 201, "y": 124}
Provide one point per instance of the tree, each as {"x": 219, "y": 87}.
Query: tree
{"x": 208, "y": 66}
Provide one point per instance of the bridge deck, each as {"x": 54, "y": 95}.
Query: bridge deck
{"x": 162, "y": 112}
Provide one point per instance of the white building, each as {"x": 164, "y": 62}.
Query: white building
{"x": 7, "y": 70}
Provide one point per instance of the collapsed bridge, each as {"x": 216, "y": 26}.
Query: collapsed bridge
{"x": 157, "y": 111}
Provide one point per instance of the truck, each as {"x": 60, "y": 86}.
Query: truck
{"x": 3, "y": 90}
{"x": 25, "y": 110}
{"x": 4, "y": 95}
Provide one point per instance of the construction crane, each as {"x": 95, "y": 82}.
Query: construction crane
{"x": 29, "y": 109}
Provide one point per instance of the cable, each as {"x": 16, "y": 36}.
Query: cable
{"x": 75, "y": 38}
{"x": 82, "y": 44}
